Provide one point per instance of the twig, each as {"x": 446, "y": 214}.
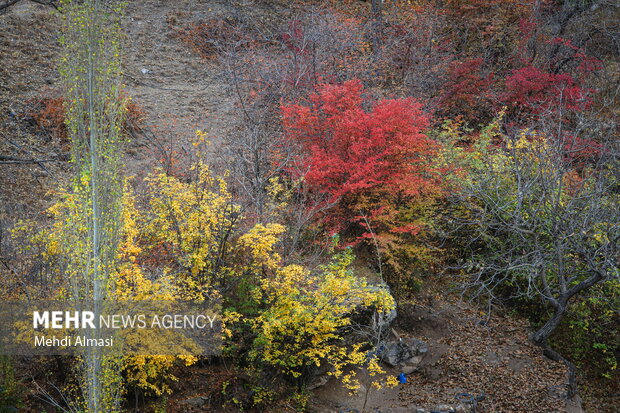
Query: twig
{"x": 11, "y": 160}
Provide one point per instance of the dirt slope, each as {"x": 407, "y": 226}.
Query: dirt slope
{"x": 466, "y": 354}
{"x": 28, "y": 51}
{"x": 179, "y": 91}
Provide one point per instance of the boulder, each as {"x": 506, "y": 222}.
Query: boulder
{"x": 319, "y": 381}
{"x": 411, "y": 365}
{"x": 404, "y": 352}
{"x": 419, "y": 346}
{"x": 196, "y": 401}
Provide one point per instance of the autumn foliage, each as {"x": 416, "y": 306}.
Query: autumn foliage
{"x": 48, "y": 112}
{"x": 417, "y": 139}
{"x": 535, "y": 90}
{"x": 347, "y": 152}
{"x": 376, "y": 165}
{"x": 468, "y": 90}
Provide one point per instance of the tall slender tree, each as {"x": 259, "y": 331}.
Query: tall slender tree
{"x": 91, "y": 71}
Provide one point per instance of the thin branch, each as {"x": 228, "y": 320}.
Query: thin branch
{"x": 4, "y": 160}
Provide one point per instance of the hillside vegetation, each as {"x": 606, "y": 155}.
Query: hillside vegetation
{"x": 397, "y": 205}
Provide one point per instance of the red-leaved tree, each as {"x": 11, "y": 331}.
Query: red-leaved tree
{"x": 540, "y": 92}
{"x": 375, "y": 164}
{"x": 467, "y": 91}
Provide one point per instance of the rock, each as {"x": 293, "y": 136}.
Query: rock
{"x": 404, "y": 352}
{"x": 145, "y": 71}
{"x": 319, "y": 382}
{"x": 411, "y": 365}
{"x": 408, "y": 368}
{"x": 444, "y": 408}
{"x": 418, "y": 346}
{"x": 196, "y": 401}
{"x": 574, "y": 405}
{"x": 391, "y": 316}
{"x": 396, "y": 352}
{"x": 557, "y": 392}
{"x": 382, "y": 321}
{"x": 415, "y": 360}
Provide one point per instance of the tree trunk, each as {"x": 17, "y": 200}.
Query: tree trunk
{"x": 540, "y": 338}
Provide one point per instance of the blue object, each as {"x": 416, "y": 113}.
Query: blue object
{"x": 402, "y": 379}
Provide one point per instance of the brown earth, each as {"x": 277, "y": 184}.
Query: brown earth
{"x": 28, "y": 51}
{"x": 179, "y": 91}
{"x": 467, "y": 354}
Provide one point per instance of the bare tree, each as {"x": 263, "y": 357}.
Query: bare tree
{"x": 543, "y": 218}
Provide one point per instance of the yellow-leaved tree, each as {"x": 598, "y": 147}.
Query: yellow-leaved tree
{"x": 184, "y": 241}
{"x": 308, "y": 314}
